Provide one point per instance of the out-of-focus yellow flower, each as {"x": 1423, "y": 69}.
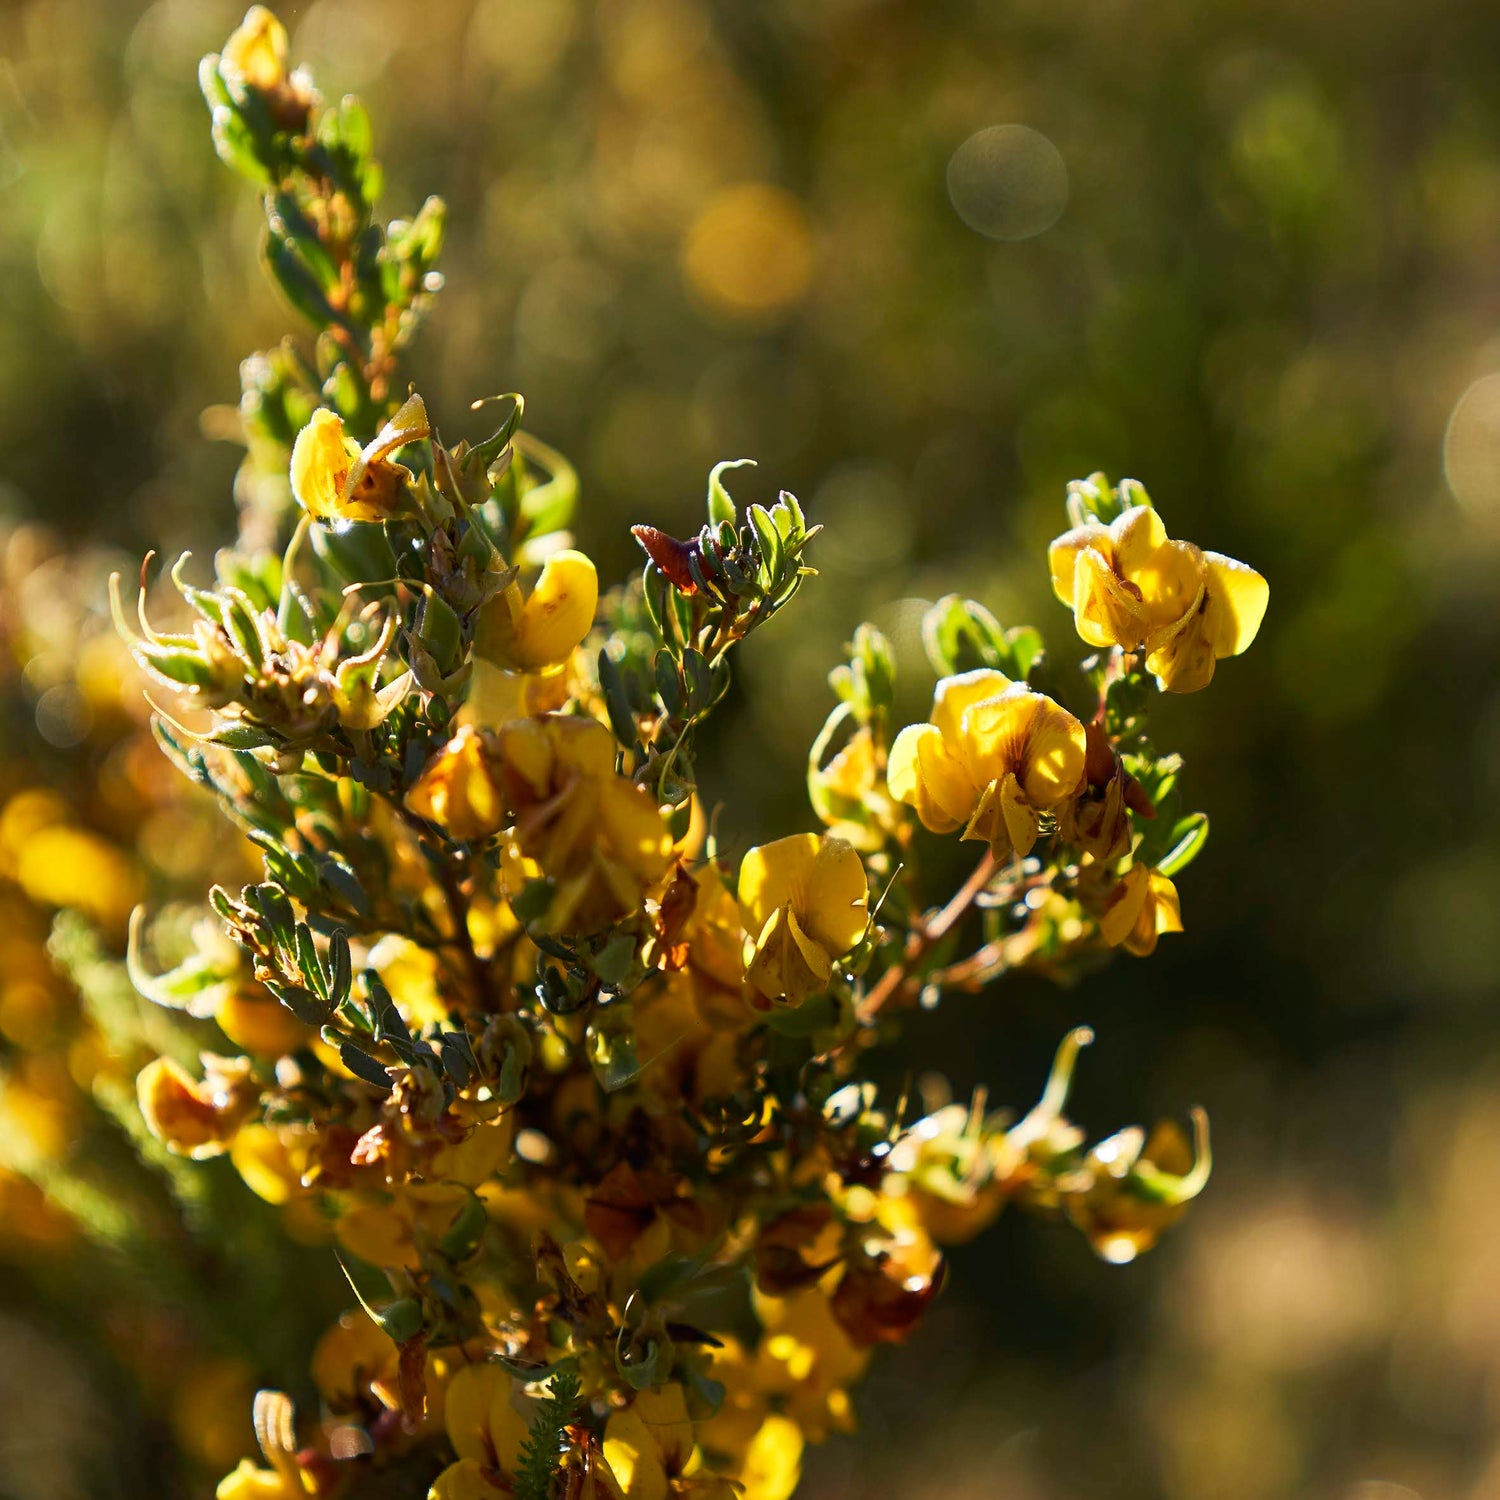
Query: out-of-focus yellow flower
{"x": 1142, "y": 906}
{"x": 256, "y": 50}
{"x": 1139, "y": 1187}
{"x": 597, "y": 834}
{"x": 334, "y": 480}
{"x": 749, "y": 252}
{"x": 1129, "y": 585}
{"x": 260, "y": 1024}
{"x": 63, "y": 865}
{"x": 952, "y": 1173}
{"x": 486, "y": 1431}
{"x": 193, "y": 1118}
{"x": 808, "y": 1360}
{"x": 773, "y": 1463}
{"x": 541, "y": 630}
{"x": 458, "y": 790}
{"x": 805, "y": 902}
{"x": 649, "y": 1443}
{"x": 994, "y": 756}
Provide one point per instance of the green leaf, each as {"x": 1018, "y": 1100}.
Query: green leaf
{"x": 362, "y": 1065}
{"x": 1187, "y": 840}
{"x": 720, "y": 506}
{"x": 614, "y": 960}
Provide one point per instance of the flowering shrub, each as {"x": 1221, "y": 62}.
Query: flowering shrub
{"x": 576, "y": 1098}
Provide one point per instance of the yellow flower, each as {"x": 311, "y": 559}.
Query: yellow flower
{"x": 808, "y": 1359}
{"x": 541, "y": 630}
{"x": 993, "y": 758}
{"x": 486, "y": 1431}
{"x": 1139, "y": 1187}
{"x": 1222, "y": 623}
{"x": 192, "y": 1118}
{"x": 595, "y": 833}
{"x": 773, "y": 1464}
{"x": 1141, "y": 907}
{"x": 1129, "y": 585}
{"x": 256, "y": 51}
{"x": 334, "y": 480}
{"x": 805, "y": 902}
{"x": 458, "y": 791}
{"x": 649, "y": 1443}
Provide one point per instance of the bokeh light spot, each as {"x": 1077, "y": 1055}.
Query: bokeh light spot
{"x": 1009, "y": 182}
{"x": 750, "y": 251}
{"x": 1471, "y": 448}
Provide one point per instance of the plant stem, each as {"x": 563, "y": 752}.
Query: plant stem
{"x": 897, "y": 980}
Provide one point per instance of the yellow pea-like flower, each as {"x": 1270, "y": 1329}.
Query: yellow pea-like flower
{"x": 649, "y": 1443}
{"x": 191, "y": 1118}
{"x": 482, "y": 1425}
{"x": 1141, "y": 907}
{"x": 256, "y": 50}
{"x": 773, "y": 1464}
{"x": 458, "y": 789}
{"x": 540, "y": 631}
{"x": 804, "y": 900}
{"x": 248, "y": 1482}
{"x": 1225, "y": 621}
{"x": 336, "y": 480}
{"x": 463, "y": 1480}
{"x": 595, "y": 833}
{"x": 994, "y": 756}
{"x": 1130, "y": 585}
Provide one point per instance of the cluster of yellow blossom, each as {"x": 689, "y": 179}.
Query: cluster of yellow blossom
{"x": 577, "y": 1101}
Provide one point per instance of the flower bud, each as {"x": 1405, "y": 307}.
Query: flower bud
{"x": 541, "y": 631}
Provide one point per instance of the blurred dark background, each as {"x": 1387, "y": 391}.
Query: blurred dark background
{"x": 926, "y": 260}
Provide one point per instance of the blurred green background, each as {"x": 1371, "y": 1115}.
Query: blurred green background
{"x": 1248, "y": 253}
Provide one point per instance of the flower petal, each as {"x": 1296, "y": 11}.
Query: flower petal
{"x": 1237, "y": 599}
{"x": 772, "y": 875}
{"x": 1062, "y": 556}
{"x": 835, "y": 907}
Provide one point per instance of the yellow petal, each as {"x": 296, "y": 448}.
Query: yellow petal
{"x": 1052, "y": 760}
{"x": 1105, "y": 611}
{"x": 462, "y": 1481}
{"x": 956, "y": 695}
{"x": 472, "y": 1397}
{"x": 256, "y": 51}
{"x": 582, "y": 745}
{"x": 1020, "y": 817}
{"x": 665, "y": 1414}
{"x": 631, "y": 825}
{"x": 321, "y": 460}
{"x": 773, "y": 1462}
{"x": 786, "y": 964}
{"x": 560, "y": 611}
{"x": 1171, "y": 583}
{"x": 1062, "y": 556}
{"x": 773, "y": 875}
{"x": 526, "y": 749}
{"x": 633, "y": 1457}
{"x": 250, "y": 1483}
{"x": 457, "y": 789}
{"x": 1126, "y": 902}
{"x": 1135, "y": 536}
{"x": 1183, "y": 658}
{"x": 918, "y": 765}
{"x": 835, "y": 906}
{"x": 1237, "y": 599}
